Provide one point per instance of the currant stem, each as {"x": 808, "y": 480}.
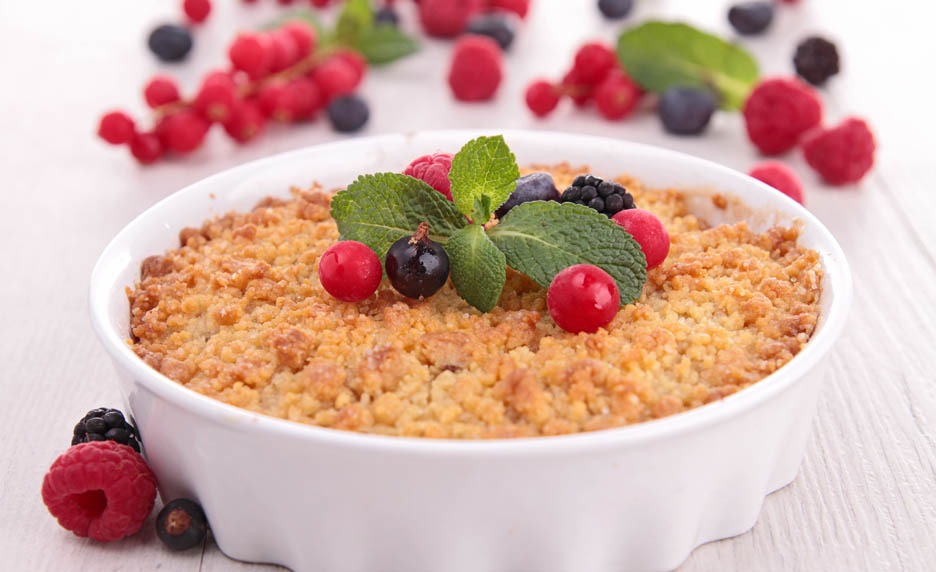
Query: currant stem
{"x": 421, "y": 233}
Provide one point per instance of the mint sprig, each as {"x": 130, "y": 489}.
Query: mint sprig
{"x": 539, "y": 238}
{"x": 660, "y": 55}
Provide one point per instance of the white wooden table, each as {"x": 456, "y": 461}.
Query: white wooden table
{"x": 865, "y": 498}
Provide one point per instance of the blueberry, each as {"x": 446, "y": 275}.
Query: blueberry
{"x": 170, "y": 43}
{"x": 532, "y": 187}
{"x": 751, "y": 18}
{"x": 615, "y": 9}
{"x": 181, "y": 524}
{"x": 417, "y": 266}
{"x": 348, "y": 113}
{"x": 686, "y": 110}
{"x": 387, "y": 15}
{"x": 495, "y": 25}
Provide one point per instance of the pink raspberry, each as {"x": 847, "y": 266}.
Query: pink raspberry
{"x": 780, "y": 177}
{"x": 476, "y": 70}
{"x": 778, "y": 112}
{"x": 842, "y": 154}
{"x": 447, "y": 18}
{"x": 434, "y": 170}
{"x": 101, "y": 490}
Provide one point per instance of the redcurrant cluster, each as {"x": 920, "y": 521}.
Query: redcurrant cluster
{"x": 596, "y": 77}
{"x": 277, "y": 74}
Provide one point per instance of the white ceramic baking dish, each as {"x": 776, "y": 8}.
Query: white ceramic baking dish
{"x": 635, "y": 498}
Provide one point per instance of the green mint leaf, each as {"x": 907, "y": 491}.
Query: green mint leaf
{"x": 542, "y": 238}
{"x": 660, "y": 55}
{"x": 354, "y": 20}
{"x": 479, "y": 269}
{"x": 380, "y": 209}
{"x": 383, "y": 43}
{"x": 483, "y": 167}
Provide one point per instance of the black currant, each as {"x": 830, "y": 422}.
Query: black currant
{"x": 170, "y": 43}
{"x": 496, "y": 25}
{"x": 416, "y": 266}
{"x": 181, "y": 524}
{"x": 348, "y": 113}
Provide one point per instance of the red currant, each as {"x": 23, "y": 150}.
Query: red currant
{"x": 246, "y": 121}
{"x": 297, "y": 100}
{"x": 350, "y": 271}
{"x": 583, "y": 298}
{"x": 216, "y": 96}
{"x": 196, "y": 10}
{"x": 355, "y": 61}
{"x": 303, "y": 36}
{"x": 542, "y": 97}
{"x": 161, "y": 90}
{"x": 649, "y": 233}
{"x": 335, "y": 77}
{"x": 116, "y": 127}
{"x": 617, "y": 96}
{"x": 284, "y": 50}
{"x": 593, "y": 62}
{"x": 251, "y": 53}
{"x": 182, "y": 132}
{"x": 146, "y": 148}
{"x": 576, "y": 88}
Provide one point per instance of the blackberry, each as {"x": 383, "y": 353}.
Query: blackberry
{"x": 532, "y": 187}
{"x": 103, "y": 424}
{"x": 495, "y": 25}
{"x": 348, "y": 113}
{"x": 170, "y": 43}
{"x": 181, "y": 524}
{"x": 816, "y": 60}
{"x": 604, "y": 196}
{"x": 751, "y": 18}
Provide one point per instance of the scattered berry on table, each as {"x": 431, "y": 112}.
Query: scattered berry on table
{"x": 301, "y": 99}
{"x": 348, "y": 113}
{"x": 181, "y": 524}
{"x": 605, "y": 197}
{"x": 686, "y": 110}
{"x": 778, "y": 112}
{"x": 434, "y": 171}
{"x": 617, "y": 95}
{"x": 146, "y": 148}
{"x": 615, "y": 9}
{"x": 495, "y": 25}
{"x": 842, "y": 154}
{"x": 387, "y": 15}
{"x": 518, "y": 7}
{"x": 101, "y": 490}
{"x": 542, "y": 97}
{"x": 593, "y": 62}
{"x": 196, "y": 10}
{"x": 161, "y": 90}
{"x": 245, "y": 122}
{"x": 355, "y": 61}
{"x": 582, "y": 298}
{"x": 104, "y": 424}
{"x": 284, "y": 51}
{"x": 648, "y": 231}
{"x": 182, "y": 132}
{"x": 532, "y": 187}
{"x": 780, "y": 177}
{"x": 816, "y": 60}
{"x": 751, "y": 18}
{"x": 416, "y": 265}
{"x": 350, "y": 271}
{"x": 335, "y": 77}
{"x": 170, "y": 43}
{"x": 251, "y": 53}
{"x": 302, "y": 35}
{"x": 578, "y": 90}
{"x": 216, "y": 96}
{"x": 476, "y": 68}
{"x": 117, "y": 128}
{"x": 447, "y": 18}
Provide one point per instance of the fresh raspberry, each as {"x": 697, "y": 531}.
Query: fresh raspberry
{"x": 583, "y": 298}
{"x": 246, "y": 121}
{"x": 433, "y": 170}
{"x": 350, "y": 271}
{"x": 303, "y": 35}
{"x": 252, "y": 54}
{"x": 573, "y": 86}
{"x": 542, "y": 97}
{"x": 335, "y": 77}
{"x": 196, "y": 10}
{"x": 617, "y": 95}
{"x": 778, "y": 112}
{"x": 447, "y": 18}
{"x": 475, "y": 72}
{"x": 283, "y": 49}
{"x": 593, "y": 62}
{"x": 146, "y": 148}
{"x": 780, "y": 177}
{"x": 355, "y": 61}
{"x": 101, "y": 490}
{"x": 842, "y": 154}
{"x": 182, "y": 132}
{"x": 648, "y": 231}
{"x": 216, "y": 96}
{"x": 161, "y": 90}
{"x": 116, "y": 127}
{"x": 518, "y": 7}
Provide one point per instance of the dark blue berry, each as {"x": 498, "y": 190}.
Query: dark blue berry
{"x": 348, "y": 113}
{"x": 181, "y": 524}
{"x": 686, "y": 110}
{"x": 170, "y": 43}
{"x": 417, "y": 266}
{"x": 615, "y": 9}
{"x": 387, "y": 15}
{"x": 816, "y": 60}
{"x": 105, "y": 424}
{"x": 751, "y": 18}
{"x": 606, "y": 197}
{"x": 495, "y": 25}
{"x": 532, "y": 187}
